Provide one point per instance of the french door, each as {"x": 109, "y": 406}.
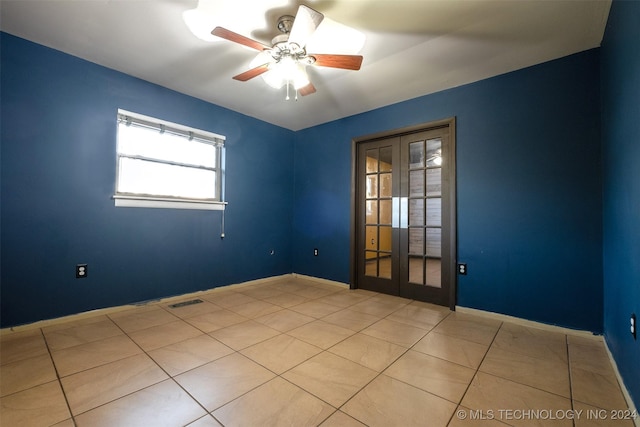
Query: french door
{"x": 405, "y": 214}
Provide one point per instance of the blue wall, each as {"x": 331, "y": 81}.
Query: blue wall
{"x": 621, "y": 158}
{"x": 548, "y": 207}
{"x": 529, "y": 190}
{"x": 58, "y": 171}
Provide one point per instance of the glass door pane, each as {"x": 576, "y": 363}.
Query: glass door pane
{"x": 378, "y": 236}
{"x": 425, "y": 212}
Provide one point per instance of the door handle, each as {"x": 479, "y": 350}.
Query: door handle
{"x": 404, "y": 212}
{"x": 399, "y": 212}
{"x": 395, "y": 212}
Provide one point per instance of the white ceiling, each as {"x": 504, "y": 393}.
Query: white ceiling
{"x": 413, "y": 47}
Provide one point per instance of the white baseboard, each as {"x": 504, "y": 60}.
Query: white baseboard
{"x": 562, "y": 330}
{"x": 625, "y": 392}
{"x": 266, "y": 280}
{"x": 529, "y": 323}
{"x": 110, "y": 310}
{"x": 59, "y": 320}
{"x": 320, "y": 280}
{"x": 251, "y": 283}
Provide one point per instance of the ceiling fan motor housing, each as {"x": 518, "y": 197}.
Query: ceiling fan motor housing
{"x": 285, "y": 23}
{"x": 281, "y": 47}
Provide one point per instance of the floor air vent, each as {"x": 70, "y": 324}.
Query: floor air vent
{"x": 185, "y": 303}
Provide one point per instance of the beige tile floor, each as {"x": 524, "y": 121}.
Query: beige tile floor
{"x": 297, "y": 352}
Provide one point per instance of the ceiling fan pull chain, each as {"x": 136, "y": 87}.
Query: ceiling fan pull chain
{"x": 287, "y": 98}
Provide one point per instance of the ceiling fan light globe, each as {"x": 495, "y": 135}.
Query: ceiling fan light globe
{"x": 300, "y": 78}
{"x": 286, "y": 72}
{"x": 273, "y": 79}
{"x": 292, "y": 71}
{"x": 287, "y": 64}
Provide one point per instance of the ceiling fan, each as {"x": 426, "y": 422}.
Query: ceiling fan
{"x": 287, "y": 58}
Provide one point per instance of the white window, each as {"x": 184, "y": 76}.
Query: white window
{"x": 167, "y": 165}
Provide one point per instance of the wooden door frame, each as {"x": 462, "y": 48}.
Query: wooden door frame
{"x": 453, "y": 238}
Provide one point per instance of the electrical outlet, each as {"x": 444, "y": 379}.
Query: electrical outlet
{"x": 315, "y": 252}
{"x": 81, "y": 271}
{"x": 634, "y": 326}
{"x": 462, "y": 269}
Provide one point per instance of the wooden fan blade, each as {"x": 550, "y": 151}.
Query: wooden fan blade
{"x": 307, "y": 90}
{"x": 304, "y": 25}
{"x": 254, "y": 72}
{"x": 237, "y": 38}
{"x": 347, "y": 62}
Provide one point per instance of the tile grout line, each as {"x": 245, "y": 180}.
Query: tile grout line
{"x": 522, "y": 383}
{"x": 234, "y": 351}
{"x": 58, "y": 378}
{"x": 307, "y": 391}
{"x": 276, "y": 374}
{"x": 391, "y": 363}
{"x": 135, "y": 391}
{"x": 150, "y": 385}
{"x": 566, "y": 340}
{"x": 475, "y": 375}
{"x": 322, "y": 351}
{"x": 177, "y": 318}
{"x": 171, "y": 377}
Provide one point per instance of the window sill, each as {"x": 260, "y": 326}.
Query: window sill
{"x": 152, "y": 202}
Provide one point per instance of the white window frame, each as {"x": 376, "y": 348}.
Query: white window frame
{"x": 152, "y": 201}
